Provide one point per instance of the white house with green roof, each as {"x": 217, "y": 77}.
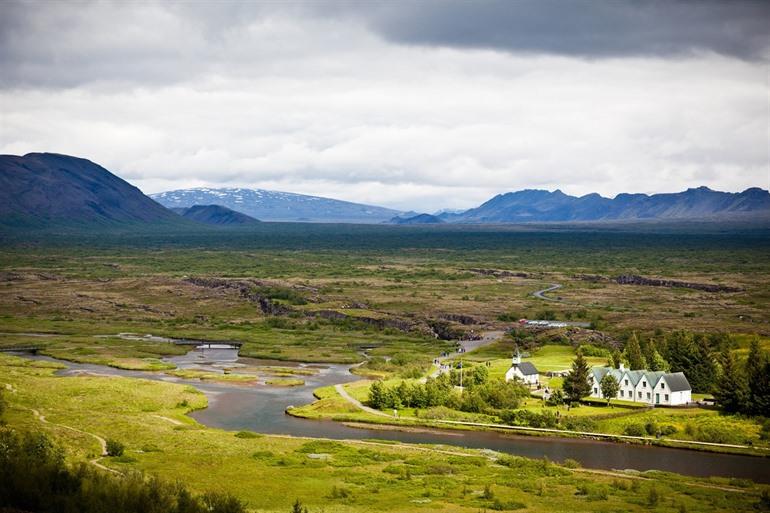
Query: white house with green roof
{"x": 643, "y": 386}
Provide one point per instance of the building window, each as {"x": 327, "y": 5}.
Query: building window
{"x": 666, "y": 397}
{"x": 662, "y": 385}
{"x": 626, "y": 382}
{"x": 640, "y": 395}
{"x": 648, "y": 395}
{"x": 595, "y": 391}
{"x": 644, "y": 384}
{"x": 621, "y": 393}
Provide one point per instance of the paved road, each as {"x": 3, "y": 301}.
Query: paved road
{"x": 540, "y": 294}
{"x": 488, "y": 337}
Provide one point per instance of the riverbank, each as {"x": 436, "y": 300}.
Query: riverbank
{"x": 335, "y": 404}
{"x": 150, "y": 418}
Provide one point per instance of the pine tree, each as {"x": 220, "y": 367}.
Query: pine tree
{"x": 656, "y": 362}
{"x": 758, "y": 376}
{"x": 634, "y": 354}
{"x": 754, "y": 366}
{"x": 576, "y": 384}
{"x": 731, "y": 391}
{"x": 703, "y": 371}
{"x": 616, "y": 358}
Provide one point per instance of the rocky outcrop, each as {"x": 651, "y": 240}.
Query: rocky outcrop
{"x": 498, "y": 273}
{"x": 465, "y": 320}
{"x": 632, "y": 279}
{"x": 247, "y": 291}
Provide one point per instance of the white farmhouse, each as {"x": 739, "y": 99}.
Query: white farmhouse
{"x": 525, "y": 372}
{"x": 643, "y": 386}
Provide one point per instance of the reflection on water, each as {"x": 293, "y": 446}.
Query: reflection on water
{"x": 261, "y": 408}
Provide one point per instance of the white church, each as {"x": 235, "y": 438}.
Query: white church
{"x": 525, "y": 372}
{"x": 643, "y": 386}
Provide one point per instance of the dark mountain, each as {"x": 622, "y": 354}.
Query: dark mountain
{"x": 418, "y": 219}
{"x": 278, "y": 206}
{"x": 544, "y": 206}
{"x": 47, "y": 189}
{"x": 215, "y": 214}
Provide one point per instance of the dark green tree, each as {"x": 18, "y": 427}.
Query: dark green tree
{"x": 634, "y": 354}
{"x": 610, "y": 387}
{"x": 616, "y": 358}
{"x": 731, "y": 392}
{"x": 576, "y": 384}
{"x": 758, "y": 376}
{"x": 702, "y": 373}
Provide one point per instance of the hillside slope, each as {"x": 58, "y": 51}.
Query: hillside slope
{"x": 45, "y": 189}
{"x": 215, "y": 214}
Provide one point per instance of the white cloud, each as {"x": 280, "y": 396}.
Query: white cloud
{"x": 323, "y": 106}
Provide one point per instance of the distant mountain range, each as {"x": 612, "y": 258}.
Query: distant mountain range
{"x": 215, "y": 214}
{"x": 543, "y": 206}
{"x": 277, "y": 206}
{"x": 41, "y": 190}
{"x": 418, "y": 219}
{"x": 45, "y": 189}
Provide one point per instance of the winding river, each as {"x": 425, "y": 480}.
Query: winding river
{"x": 261, "y": 409}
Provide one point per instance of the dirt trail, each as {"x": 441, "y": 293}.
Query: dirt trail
{"x": 340, "y": 390}
{"x": 102, "y": 441}
{"x": 169, "y": 419}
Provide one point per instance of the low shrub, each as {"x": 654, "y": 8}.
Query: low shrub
{"x": 115, "y": 448}
{"x": 247, "y": 434}
{"x": 635, "y": 430}
{"x": 668, "y": 430}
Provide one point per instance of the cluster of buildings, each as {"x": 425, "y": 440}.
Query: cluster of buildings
{"x": 642, "y": 386}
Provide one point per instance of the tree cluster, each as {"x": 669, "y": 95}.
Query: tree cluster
{"x": 744, "y": 389}
{"x": 480, "y": 394}
{"x": 695, "y": 354}
{"x": 35, "y": 477}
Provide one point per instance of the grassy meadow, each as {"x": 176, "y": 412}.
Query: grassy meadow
{"x": 270, "y": 472}
{"x": 394, "y": 296}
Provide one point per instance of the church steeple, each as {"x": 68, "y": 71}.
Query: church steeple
{"x": 516, "y": 360}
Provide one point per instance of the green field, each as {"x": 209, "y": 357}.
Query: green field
{"x": 149, "y": 418}
{"x": 396, "y": 297}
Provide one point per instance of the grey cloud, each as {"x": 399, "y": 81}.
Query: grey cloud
{"x": 67, "y": 44}
{"x": 584, "y": 28}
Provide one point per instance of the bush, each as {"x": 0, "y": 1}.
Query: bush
{"x": 668, "y": 429}
{"x": 339, "y": 493}
{"x": 115, "y": 448}
{"x": 529, "y": 418}
{"x": 651, "y": 427}
{"x": 579, "y": 424}
{"x": 499, "y": 505}
{"x": 247, "y": 434}
{"x": 570, "y": 463}
{"x": 635, "y": 430}
{"x": 653, "y": 497}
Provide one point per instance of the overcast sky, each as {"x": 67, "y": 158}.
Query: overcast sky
{"x": 414, "y": 105}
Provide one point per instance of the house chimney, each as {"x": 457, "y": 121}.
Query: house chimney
{"x": 622, "y": 366}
